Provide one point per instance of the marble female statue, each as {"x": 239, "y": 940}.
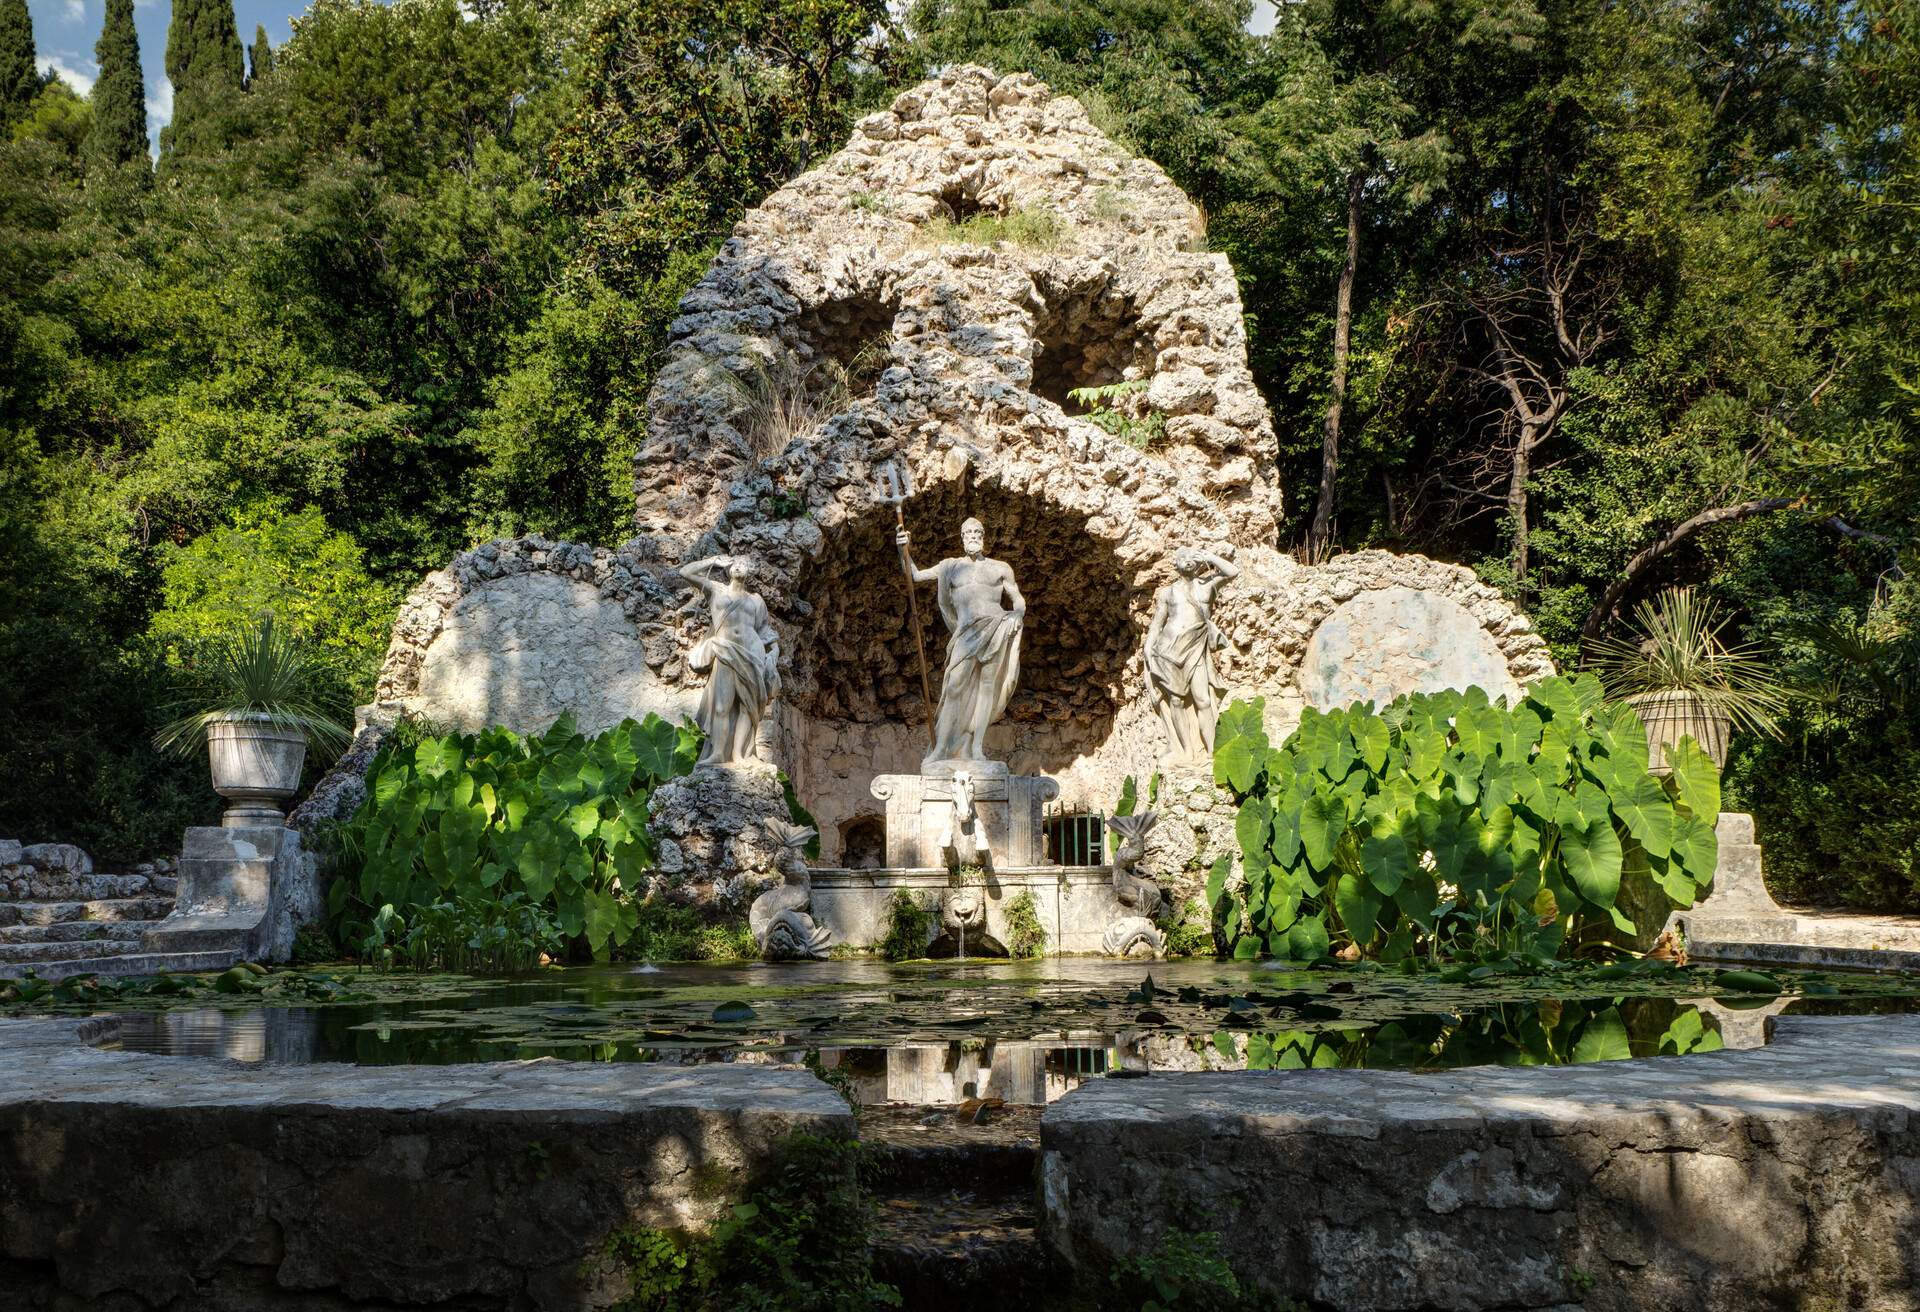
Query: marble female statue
{"x": 1179, "y": 656}
{"x": 984, "y": 612}
{"x": 741, "y": 659}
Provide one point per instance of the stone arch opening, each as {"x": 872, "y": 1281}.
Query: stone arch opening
{"x": 1089, "y": 335}
{"x": 854, "y": 658}
{"x": 863, "y": 842}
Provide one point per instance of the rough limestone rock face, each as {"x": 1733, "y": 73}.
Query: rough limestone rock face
{"x": 869, "y": 299}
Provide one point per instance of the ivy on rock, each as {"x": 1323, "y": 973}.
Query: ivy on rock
{"x": 1449, "y": 824}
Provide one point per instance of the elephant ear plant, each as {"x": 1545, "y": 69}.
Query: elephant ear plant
{"x": 257, "y": 714}
{"x": 1449, "y": 827}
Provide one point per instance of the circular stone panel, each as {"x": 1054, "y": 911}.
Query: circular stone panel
{"x": 522, "y": 650}
{"x": 1392, "y": 641}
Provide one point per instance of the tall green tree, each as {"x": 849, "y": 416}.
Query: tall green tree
{"x": 207, "y": 68}
{"x": 19, "y": 77}
{"x": 118, "y": 135}
{"x": 259, "y": 56}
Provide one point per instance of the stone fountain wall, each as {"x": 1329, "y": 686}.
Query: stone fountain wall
{"x": 852, "y": 288}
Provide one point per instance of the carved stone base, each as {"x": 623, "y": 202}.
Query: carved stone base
{"x": 921, "y": 814}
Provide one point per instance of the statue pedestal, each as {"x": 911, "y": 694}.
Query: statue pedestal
{"x": 920, "y": 812}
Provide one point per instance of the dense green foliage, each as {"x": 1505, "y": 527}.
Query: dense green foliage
{"x": 1446, "y": 827}
{"x": 1617, "y": 266}
{"x": 558, "y": 818}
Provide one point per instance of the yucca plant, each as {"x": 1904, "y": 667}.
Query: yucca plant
{"x": 264, "y": 674}
{"x": 1678, "y": 656}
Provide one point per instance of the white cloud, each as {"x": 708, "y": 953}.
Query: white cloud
{"x": 160, "y": 105}
{"x": 71, "y": 70}
{"x": 75, "y": 11}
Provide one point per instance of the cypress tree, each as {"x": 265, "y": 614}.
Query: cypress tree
{"x": 205, "y": 65}
{"x": 19, "y": 79}
{"x": 118, "y": 134}
{"x": 259, "y": 56}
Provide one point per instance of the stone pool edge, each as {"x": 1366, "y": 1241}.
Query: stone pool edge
{"x": 142, "y": 1181}
{"x": 1784, "y": 1176}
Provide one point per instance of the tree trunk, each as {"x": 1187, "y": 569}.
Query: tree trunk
{"x": 1517, "y": 506}
{"x": 1320, "y": 533}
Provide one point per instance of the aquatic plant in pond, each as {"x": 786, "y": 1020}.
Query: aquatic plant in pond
{"x": 558, "y": 818}
{"x": 1446, "y": 826}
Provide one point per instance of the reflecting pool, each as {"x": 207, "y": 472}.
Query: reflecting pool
{"x": 1026, "y": 1032}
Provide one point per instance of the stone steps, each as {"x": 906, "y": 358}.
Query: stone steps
{"x": 32, "y": 954}
{"x": 134, "y": 962}
{"x": 955, "y": 1220}
{"x": 76, "y": 931}
{"x": 61, "y": 917}
{"x": 98, "y": 909}
{"x": 69, "y": 886}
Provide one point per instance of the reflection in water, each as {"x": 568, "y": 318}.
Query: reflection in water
{"x": 1024, "y": 1032}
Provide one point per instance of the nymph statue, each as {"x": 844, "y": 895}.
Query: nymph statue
{"x": 741, "y": 659}
{"x": 984, "y": 612}
{"x": 1179, "y": 655}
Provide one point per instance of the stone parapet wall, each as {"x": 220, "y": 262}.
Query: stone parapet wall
{"x": 1779, "y": 1177}
{"x": 134, "y": 1183}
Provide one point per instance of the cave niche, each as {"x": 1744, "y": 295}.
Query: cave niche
{"x": 1088, "y": 335}
{"x": 854, "y": 656}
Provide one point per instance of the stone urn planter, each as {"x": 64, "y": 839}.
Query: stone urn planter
{"x": 256, "y": 766}
{"x": 1671, "y": 716}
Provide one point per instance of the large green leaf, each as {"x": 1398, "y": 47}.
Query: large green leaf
{"x": 1642, "y": 805}
{"x": 1358, "y": 905}
{"x": 1592, "y": 856}
{"x": 1385, "y": 857}
{"x": 1695, "y": 779}
{"x": 1240, "y": 745}
{"x": 1323, "y": 819}
{"x": 1603, "y": 1038}
{"x": 655, "y": 748}
{"x": 1253, "y": 827}
{"x": 1371, "y": 739}
{"x": 1696, "y": 847}
{"x": 1307, "y": 940}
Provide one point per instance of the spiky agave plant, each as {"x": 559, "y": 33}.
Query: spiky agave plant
{"x": 263, "y": 673}
{"x": 1678, "y": 649}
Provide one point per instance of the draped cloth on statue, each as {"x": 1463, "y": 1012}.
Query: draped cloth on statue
{"x": 983, "y": 664}
{"x": 1180, "y": 658}
{"x": 742, "y": 681}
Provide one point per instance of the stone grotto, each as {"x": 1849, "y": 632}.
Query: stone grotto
{"x": 928, "y": 309}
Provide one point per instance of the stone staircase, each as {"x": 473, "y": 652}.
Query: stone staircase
{"x": 955, "y": 1215}
{"x": 60, "y": 917}
{"x": 1739, "y": 922}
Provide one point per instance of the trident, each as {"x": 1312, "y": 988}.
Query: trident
{"x": 896, "y": 485}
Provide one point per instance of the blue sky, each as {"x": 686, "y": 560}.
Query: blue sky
{"x": 64, "y": 32}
